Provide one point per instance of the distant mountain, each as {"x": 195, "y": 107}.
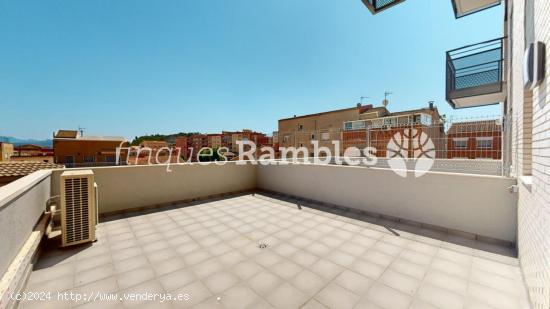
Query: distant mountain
{"x": 18, "y": 141}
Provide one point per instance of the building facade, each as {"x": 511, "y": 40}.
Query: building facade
{"x": 515, "y": 71}
{"x": 475, "y": 140}
{"x": 377, "y": 132}
{"x": 325, "y": 127}
{"x": 6, "y": 151}
{"x": 73, "y": 150}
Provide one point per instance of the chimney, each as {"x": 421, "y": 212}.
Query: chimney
{"x": 431, "y": 105}
{"x": 358, "y": 105}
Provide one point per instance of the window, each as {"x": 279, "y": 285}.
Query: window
{"x": 460, "y": 143}
{"x": 89, "y": 159}
{"x": 110, "y": 159}
{"x": 426, "y": 119}
{"x": 325, "y": 136}
{"x": 354, "y": 125}
{"x": 286, "y": 138}
{"x": 69, "y": 159}
{"x": 312, "y": 136}
{"x": 484, "y": 142}
{"x": 300, "y": 127}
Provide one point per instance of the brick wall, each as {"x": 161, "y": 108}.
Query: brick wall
{"x": 532, "y": 112}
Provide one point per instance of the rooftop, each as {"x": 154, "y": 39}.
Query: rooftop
{"x": 23, "y": 168}
{"x": 314, "y": 257}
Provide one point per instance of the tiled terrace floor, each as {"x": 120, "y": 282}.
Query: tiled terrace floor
{"x": 314, "y": 259}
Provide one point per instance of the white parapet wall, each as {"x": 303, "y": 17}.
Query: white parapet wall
{"x": 22, "y": 206}
{"x": 476, "y": 204}
{"x": 124, "y": 188}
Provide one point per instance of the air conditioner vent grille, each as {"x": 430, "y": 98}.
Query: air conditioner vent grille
{"x": 78, "y": 209}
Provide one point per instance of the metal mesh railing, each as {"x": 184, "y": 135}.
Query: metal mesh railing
{"x": 378, "y": 5}
{"x": 465, "y": 145}
{"x": 475, "y": 66}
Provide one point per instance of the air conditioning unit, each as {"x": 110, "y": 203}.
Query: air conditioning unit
{"x": 78, "y": 207}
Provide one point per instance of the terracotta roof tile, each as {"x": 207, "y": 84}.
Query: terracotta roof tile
{"x": 10, "y": 169}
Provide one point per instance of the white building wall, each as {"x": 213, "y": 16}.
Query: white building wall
{"x": 534, "y": 199}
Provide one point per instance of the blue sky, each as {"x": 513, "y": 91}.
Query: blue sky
{"x": 141, "y": 67}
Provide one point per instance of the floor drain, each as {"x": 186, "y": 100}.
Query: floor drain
{"x": 262, "y": 246}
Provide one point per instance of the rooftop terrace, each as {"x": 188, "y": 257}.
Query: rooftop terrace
{"x": 277, "y": 236}
{"x": 315, "y": 257}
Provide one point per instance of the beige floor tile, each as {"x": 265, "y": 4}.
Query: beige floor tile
{"x": 196, "y": 293}
{"x": 439, "y": 297}
{"x": 286, "y": 269}
{"x": 264, "y": 282}
{"x": 241, "y": 296}
{"x": 337, "y": 297}
{"x": 308, "y": 282}
{"x": 367, "y": 269}
{"x": 408, "y": 268}
{"x": 286, "y": 296}
{"x": 387, "y": 297}
{"x": 326, "y": 269}
{"x": 313, "y": 304}
{"x": 445, "y": 281}
{"x": 177, "y": 279}
{"x": 221, "y": 281}
{"x": 400, "y": 282}
{"x": 247, "y": 269}
{"x": 135, "y": 276}
{"x": 354, "y": 282}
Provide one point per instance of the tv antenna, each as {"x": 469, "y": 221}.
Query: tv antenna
{"x": 386, "y": 101}
{"x": 363, "y": 98}
{"x": 81, "y": 130}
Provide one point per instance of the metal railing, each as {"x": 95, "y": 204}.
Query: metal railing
{"x": 375, "y": 6}
{"x": 463, "y": 145}
{"x": 475, "y": 69}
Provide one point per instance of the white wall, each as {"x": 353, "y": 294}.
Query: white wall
{"x": 476, "y": 204}
{"x": 534, "y": 200}
{"x": 22, "y": 203}
{"x": 127, "y": 187}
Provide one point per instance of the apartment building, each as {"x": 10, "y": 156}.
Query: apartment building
{"x": 6, "y": 151}
{"x": 73, "y": 149}
{"x": 377, "y": 132}
{"x": 361, "y": 126}
{"x": 30, "y": 150}
{"x": 475, "y": 140}
{"x": 215, "y": 141}
{"x": 154, "y": 145}
{"x": 324, "y": 127}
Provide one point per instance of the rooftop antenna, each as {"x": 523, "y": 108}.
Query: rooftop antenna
{"x": 81, "y": 130}
{"x": 363, "y": 98}
{"x": 386, "y": 101}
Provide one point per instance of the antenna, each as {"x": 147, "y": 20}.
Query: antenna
{"x": 363, "y": 98}
{"x": 81, "y": 130}
{"x": 386, "y": 102}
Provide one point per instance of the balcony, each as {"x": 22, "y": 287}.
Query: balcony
{"x": 255, "y": 236}
{"x": 475, "y": 75}
{"x": 376, "y": 6}
{"x": 466, "y": 7}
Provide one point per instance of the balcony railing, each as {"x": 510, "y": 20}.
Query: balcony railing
{"x": 466, "y": 7}
{"x": 475, "y": 74}
{"x": 376, "y": 6}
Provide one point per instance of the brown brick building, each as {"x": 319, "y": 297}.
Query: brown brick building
{"x": 361, "y": 126}
{"x": 73, "y": 150}
{"x": 377, "y": 131}
{"x": 475, "y": 140}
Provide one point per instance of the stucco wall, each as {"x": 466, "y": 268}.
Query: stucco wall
{"x": 127, "y": 187}
{"x": 476, "y": 204}
{"x": 22, "y": 203}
